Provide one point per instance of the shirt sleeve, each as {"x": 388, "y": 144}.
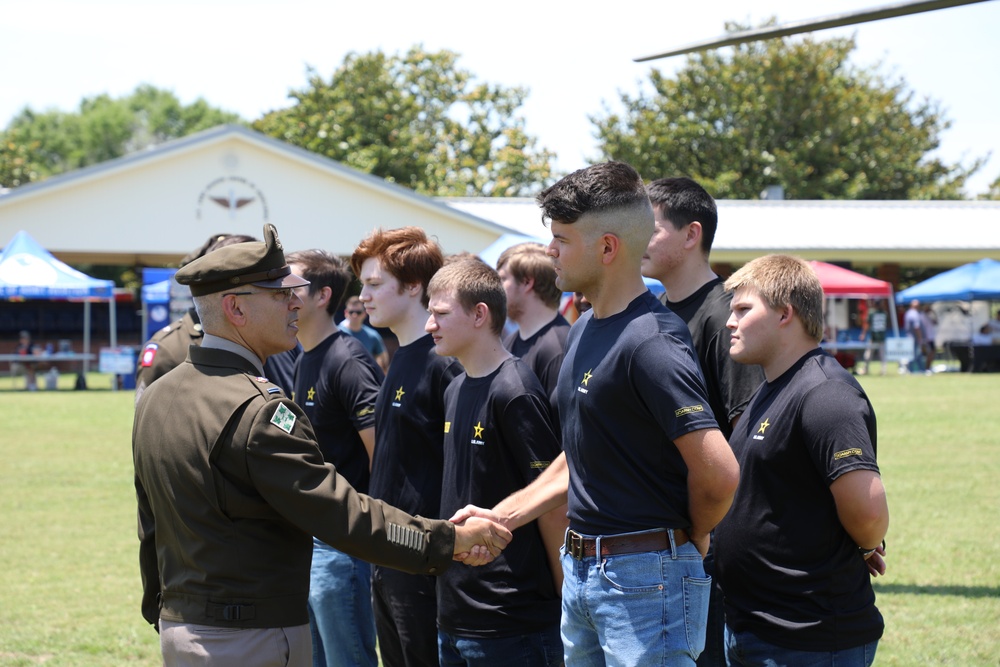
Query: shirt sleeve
{"x": 835, "y": 425}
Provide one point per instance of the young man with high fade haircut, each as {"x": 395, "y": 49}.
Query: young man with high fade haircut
{"x": 685, "y": 221}
{"x": 336, "y": 383}
{"x": 805, "y": 533}
{"x": 646, "y": 471}
{"x": 395, "y": 267}
{"x": 529, "y": 280}
{"x": 498, "y": 437}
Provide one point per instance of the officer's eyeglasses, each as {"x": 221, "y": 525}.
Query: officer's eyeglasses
{"x": 283, "y": 294}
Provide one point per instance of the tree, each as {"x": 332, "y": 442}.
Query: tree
{"x": 789, "y": 113}
{"x": 419, "y": 121}
{"x": 17, "y": 166}
{"x": 105, "y": 128}
{"x": 993, "y": 192}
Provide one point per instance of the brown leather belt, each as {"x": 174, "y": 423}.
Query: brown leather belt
{"x": 580, "y": 547}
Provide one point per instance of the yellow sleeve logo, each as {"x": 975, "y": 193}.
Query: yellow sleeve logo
{"x": 846, "y": 453}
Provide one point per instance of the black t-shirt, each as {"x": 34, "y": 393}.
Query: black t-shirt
{"x": 789, "y": 571}
{"x": 542, "y": 351}
{"x": 409, "y": 429}
{"x": 730, "y": 384}
{"x": 336, "y": 384}
{"x": 280, "y": 368}
{"x": 629, "y": 386}
{"x": 498, "y": 437}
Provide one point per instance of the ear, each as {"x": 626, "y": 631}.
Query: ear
{"x": 233, "y": 312}
{"x": 529, "y": 284}
{"x": 693, "y": 237}
{"x": 609, "y": 245}
{"x": 786, "y": 315}
{"x": 325, "y": 294}
{"x": 481, "y": 315}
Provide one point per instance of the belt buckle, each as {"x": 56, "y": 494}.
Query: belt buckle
{"x": 574, "y": 545}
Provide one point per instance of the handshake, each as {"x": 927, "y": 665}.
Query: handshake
{"x": 480, "y": 535}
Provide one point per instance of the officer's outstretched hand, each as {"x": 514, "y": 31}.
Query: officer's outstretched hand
{"x": 490, "y": 536}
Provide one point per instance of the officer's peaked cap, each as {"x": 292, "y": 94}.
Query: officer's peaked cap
{"x": 241, "y": 264}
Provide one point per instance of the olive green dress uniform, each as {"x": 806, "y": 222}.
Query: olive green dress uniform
{"x": 231, "y": 485}
{"x": 167, "y": 349}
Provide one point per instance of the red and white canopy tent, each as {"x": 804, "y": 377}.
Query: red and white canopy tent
{"x": 841, "y": 283}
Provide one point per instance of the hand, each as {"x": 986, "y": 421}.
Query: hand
{"x": 479, "y": 540}
{"x": 701, "y": 543}
{"x": 876, "y": 562}
{"x": 471, "y": 510}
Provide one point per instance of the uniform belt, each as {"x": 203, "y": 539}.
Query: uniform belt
{"x": 579, "y": 546}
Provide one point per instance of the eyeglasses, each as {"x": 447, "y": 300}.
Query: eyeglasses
{"x": 285, "y": 293}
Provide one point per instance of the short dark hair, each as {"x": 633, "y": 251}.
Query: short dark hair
{"x": 323, "y": 269}
{"x": 473, "y": 281}
{"x": 684, "y": 201}
{"x": 599, "y": 188}
{"x": 406, "y": 253}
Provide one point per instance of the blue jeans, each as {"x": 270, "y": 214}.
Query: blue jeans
{"x": 635, "y": 609}
{"x": 748, "y": 650}
{"x": 340, "y": 609}
{"x": 538, "y": 649}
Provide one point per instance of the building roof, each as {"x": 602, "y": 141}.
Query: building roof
{"x": 865, "y": 233}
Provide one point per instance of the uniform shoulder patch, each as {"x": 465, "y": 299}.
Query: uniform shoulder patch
{"x": 284, "y": 418}
{"x": 149, "y": 354}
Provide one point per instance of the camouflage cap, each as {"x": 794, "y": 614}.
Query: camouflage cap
{"x": 249, "y": 263}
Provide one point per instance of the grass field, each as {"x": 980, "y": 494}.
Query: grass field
{"x": 69, "y": 582}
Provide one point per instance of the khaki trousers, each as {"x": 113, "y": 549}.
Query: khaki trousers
{"x": 190, "y": 645}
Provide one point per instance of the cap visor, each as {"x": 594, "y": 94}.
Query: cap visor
{"x": 291, "y": 280}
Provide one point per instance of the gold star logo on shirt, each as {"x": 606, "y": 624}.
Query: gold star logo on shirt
{"x": 478, "y": 430}
{"x": 763, "y": 425}
{"x": 399, "y": 393}
{"x": 311, "y": 394}
{"x": 586, "y": 377}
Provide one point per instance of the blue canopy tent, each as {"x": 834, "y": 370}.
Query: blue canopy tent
{"x": 29, "y": 271}
{"x": 979, "y": 281}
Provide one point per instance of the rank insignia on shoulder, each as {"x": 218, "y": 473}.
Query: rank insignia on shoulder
{"x": 148, "y": 354}
{"x": 283, "y": 418}
{"x": 274, "y": 390}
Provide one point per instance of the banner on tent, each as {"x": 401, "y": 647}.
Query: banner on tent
{"x": 899, "y": 349}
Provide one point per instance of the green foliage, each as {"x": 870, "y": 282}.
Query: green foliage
{"x": 788, "y": 112}
{"x": 105, "y": 128}
{"x": 17, "y": 160}
{"x": 994, "y": 191}
{"x": 417, "y": 120}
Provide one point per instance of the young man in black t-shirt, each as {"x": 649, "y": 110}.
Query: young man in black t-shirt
{"x": 686, "y": 218}
{"x": 529, "y": 281}
{"x": 336, "y": 383}
{"x": 646, "y": 472}
{"x": 498, "y": 437}
{"x": 394, "y": 267}
{"x": 796, "y": 551}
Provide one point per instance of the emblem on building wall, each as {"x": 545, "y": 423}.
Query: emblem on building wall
{"x": 231, "y": 199}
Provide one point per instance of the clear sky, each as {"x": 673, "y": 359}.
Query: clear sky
{"x": 245, "y": 55}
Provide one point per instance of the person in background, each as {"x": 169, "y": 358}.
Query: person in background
{"x": 25, "y": 347}
{"x": 230, "y": 483}
{"x": 913, "y": 325}
{"x": 336, "y": 384}
{"x": 395, "y": 267}
{"x": 686, "y": 219}
{"x": 875, "y": 325}
{"x": 354, "y": 324}
{"x": 498, "y": 437}
{"x": 797, "y": 550}
{"x": 529, "y": 281}
{"x": 928, "y": 326}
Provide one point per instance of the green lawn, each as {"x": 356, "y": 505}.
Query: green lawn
{"x": 69, "y": 584}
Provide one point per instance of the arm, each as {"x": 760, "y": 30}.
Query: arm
{"x": 863, "y": 510}
{"x": 552, "y": 525}
{"x": 713, "y": 475}
{"x": 368, "y": 437}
